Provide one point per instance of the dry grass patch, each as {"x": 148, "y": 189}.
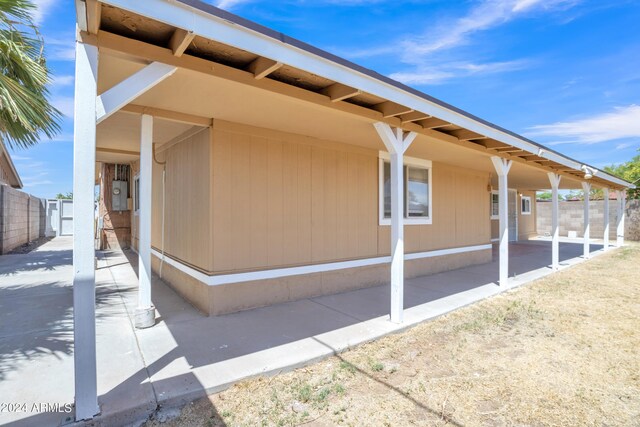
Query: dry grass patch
{"x": 562, "y": 351}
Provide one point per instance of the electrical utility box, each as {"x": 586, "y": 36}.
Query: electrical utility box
{"x": 119, "y": 195}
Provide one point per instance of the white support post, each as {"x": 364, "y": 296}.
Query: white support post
{"x": 605, "y": 192}
{"x": 396, "y": 143}
{"x": 502, "y": 167}
{"x": 84, "y": 279}
{"x": 586, "y": 188}
{"x": 145, "y": 313}
{"x": 622, "y": 196}
{"x": 555, "y": 229}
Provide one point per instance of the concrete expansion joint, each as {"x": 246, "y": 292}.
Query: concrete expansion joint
{"x": 137, "y": 340}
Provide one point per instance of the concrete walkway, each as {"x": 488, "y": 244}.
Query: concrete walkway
{"x": 187, "y": 355}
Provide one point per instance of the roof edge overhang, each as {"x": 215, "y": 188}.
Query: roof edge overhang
{"x": 17, "y": 183}
{"x": 212, "y": 23}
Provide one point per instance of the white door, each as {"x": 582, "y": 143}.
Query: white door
{"x": 66, "y": 218}
{"x": 513, "y": 215}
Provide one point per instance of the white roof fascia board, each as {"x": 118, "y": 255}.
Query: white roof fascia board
{"x": 215, "y": 28}
{"x": 81, "y": 15}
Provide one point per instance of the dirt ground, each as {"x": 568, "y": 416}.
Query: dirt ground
{"x": 563, "y": 351}
{"x": 28, "y": 247}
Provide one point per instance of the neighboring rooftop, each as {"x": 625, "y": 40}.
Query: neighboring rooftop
{"x": 8, "y": 173}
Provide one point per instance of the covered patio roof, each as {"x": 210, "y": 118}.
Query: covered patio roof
{"x": 224, "y": 60}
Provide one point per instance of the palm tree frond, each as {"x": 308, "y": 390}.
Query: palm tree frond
{"x": 26, "y": 114}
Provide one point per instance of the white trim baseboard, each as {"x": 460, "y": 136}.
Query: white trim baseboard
{"x": 224, "y": 279}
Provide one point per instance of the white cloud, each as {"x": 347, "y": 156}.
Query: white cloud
{"x": 62, "y": 80}
{"x": 64, "y": 104}
{"x": 422, "y": 77}
{"x": 433, "y": 53}
{"x": 624, "y": 145}
{"x": 441, "y": 73}
{"x": 229, "y": 4}
{"x": 486, "y": 15}
{"x": 60, "y": 48}
{"x": 623, "y": 122}
{"x": 43, "y": 7}
{"x": 37, "y": 175}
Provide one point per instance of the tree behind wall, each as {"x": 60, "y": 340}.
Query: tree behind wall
{"x": 65, "y": 196}
{"x": 25, "y": 112}
{"x": 629, "y": 171}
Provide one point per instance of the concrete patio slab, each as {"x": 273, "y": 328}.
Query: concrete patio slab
{"x": 36, "y": 340}
{"x": 186, "y": 354}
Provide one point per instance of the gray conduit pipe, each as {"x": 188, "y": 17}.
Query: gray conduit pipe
{"x": 164, "y": 178}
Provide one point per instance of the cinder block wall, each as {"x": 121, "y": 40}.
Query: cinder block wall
{"x": 632, "y": 222}
{"x": 21, "y": 217}
{"x": 571, "y": 218}
{"x": 34, "y": 218}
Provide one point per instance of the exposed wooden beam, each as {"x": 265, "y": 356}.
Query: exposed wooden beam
{"x": 141, "y": 52}
{"x": 507, "y": 149}
{"x": 94, "y": 12}
{"x": 433, "y": 123}
{"x": 465, "y": 134}
{"x": 391, "y": 109}
{"x": 262, "y": 67}
{"x": 339, "y": 92}
{"x": 414, "y": 116}
{"x": 117, "y": 151}
{"x": 180, "y": 41}
{"x": 168, "y": 115}
{"x": 492, "y": 143}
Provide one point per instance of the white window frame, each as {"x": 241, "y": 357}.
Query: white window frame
{"x": 522, "y": 211}
{"x": 408, "y": 161}
{"x": 136, "y": 196}
{"x": 496, "y": 193}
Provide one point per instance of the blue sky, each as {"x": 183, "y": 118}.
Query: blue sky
{"x": 565, "y": 73}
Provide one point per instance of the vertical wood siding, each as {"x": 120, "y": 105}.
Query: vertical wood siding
{"x": 460, "y": 213}
{"x": 187, "y": 220}
{"x": 282, "y": 200}
{"x": 527, "y": 223}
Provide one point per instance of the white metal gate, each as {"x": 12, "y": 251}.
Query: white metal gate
{"x": 66, "y": 217}
{"x": 59, "y": 218}
{"x": 53, "y": 218}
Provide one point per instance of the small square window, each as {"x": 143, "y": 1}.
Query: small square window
{"x": 494, "y": 208}
{"x": 417, "y": 190}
